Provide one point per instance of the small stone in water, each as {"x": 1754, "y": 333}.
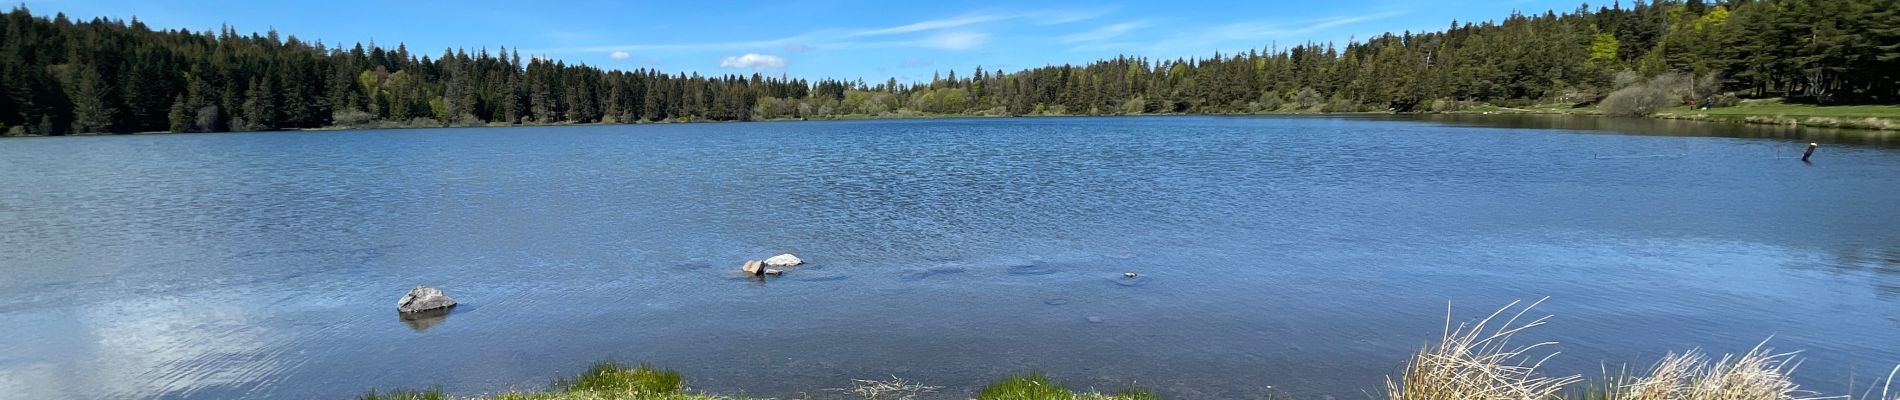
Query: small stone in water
{"x": 1128, "y": 274}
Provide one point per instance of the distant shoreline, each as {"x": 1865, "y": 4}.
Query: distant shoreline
{"x": 1873, "y": 119}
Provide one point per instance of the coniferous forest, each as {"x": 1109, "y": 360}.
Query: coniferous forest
{"x": 63, "y": 76}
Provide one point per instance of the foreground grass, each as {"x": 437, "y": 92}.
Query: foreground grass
{"x": 606, "y": 380}
{"x": 1039, "y": 387}
{"x": 1470, "y": 361}
{"x": 613, "y": 381}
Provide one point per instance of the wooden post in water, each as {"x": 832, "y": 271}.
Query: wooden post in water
{"x": 1810, "y": 152}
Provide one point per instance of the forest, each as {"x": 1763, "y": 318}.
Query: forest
{"x": 62, "y": 76}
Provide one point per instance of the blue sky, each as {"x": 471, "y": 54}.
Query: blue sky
{"x": 872, "y": 40}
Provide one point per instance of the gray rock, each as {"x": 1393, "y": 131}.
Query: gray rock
{"x": 753, "y": 267}
{"x": 1128, "y": 275}
{"x": 783, "y": 260}
{"x": 424, "y": 298}
{"x": 769, "y": 271}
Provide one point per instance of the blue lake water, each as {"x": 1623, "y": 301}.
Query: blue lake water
{"x": 1303, "y": 256}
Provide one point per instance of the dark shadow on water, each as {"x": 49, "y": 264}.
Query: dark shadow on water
{"x": 423, "y": 320}
{"x": 1035, "y": 268}
{"x": 692, "y": 266}
{"x": 821, "y": 278}
{"x": 927, "y": 273}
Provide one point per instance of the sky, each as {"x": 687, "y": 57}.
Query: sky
{"x": 872, "y": 40}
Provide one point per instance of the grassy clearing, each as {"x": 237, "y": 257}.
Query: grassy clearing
{"x": 1776, "y": 112}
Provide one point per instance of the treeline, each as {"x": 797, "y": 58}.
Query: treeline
{"x": 62, "y": 76}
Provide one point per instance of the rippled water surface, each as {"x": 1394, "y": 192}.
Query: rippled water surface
{"x": 1305, "y": 254}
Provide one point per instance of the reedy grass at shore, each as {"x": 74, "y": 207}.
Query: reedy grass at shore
{"x": 1470, "y": 361}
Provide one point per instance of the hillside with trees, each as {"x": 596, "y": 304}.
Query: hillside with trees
{"x": 63, "y": 76}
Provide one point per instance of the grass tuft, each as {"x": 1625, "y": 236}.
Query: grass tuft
{"x": 1472, "y": 362}
{"x": 1759, "y": 374}
{"x": 894, "y": 389}
{"x": 1036, "y": 386}
{"x": 431, "y": 394}
{"x": 608, "y": 376}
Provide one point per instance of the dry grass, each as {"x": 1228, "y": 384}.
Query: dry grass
{"x": 894, "y": 389}
{"x": 1887, "y": 391}
{"x": 1760, "y": 374}
{"x": 1477, "y": 362}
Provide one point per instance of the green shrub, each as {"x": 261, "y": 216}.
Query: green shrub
{"x": 1307, "y": 98}
{"x": 1723, "y": 100}
{"x": 1635, "y": 101}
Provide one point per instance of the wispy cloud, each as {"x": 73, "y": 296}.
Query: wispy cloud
{"x": 1104, "y": 32}
{"x": 956, "y": 40}
{"x": 1067, "y": 16}
{"x": 931, "y": 25}
{"x": 1252, "y": 33}
{"x": 620, "y": 55}
{"x": 754, "y": 61}
{"x": 954, "y": 33}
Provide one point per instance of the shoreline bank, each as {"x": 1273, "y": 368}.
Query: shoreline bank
{"x": 1870, "y": 119}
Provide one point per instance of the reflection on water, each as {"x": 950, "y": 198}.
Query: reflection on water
{"x": 1309, "y": 254}
{"x": 423, "y": 320}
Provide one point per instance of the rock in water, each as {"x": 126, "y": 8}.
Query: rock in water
{"x": 753, "y": 267}
{"x": 769, "y": 271}
{"x": 784, "y": 260}
{"x": 424, "y": 298}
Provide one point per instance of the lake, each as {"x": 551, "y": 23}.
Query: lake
{"x": 1284, "y": 255}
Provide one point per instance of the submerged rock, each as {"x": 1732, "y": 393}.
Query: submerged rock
{"x": 424, "y": 298}
{"x": 769, "y": 271}
{"x": 784, "y": 260}
{"x": 753, "y": 267}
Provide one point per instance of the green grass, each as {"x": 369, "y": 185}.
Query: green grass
{"x": 605, "y": 381}
{"x": 431, "y": 394}
{"x": 1036, "y": 386}
{"x": 612, "y": 377}
{"x": 1776, "y": 112}
{"x": 1771, "y": 107}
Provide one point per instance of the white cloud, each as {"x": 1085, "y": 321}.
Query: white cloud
{"x": 753, "y": 61}
{"x": 620, "y": 55}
